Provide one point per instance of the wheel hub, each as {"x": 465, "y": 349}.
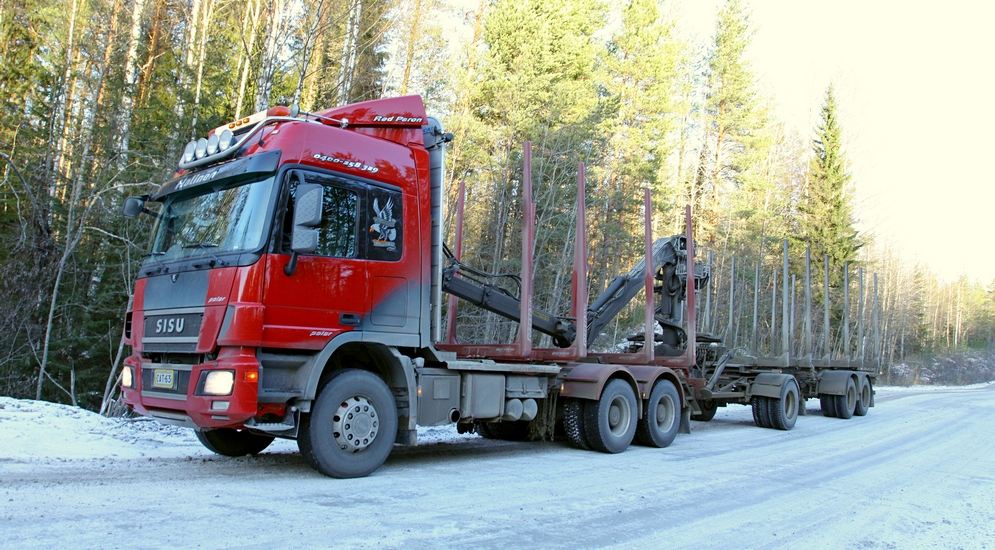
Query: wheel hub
{"x": 665, "y": 413}
{"x": 355, "y": 424}
{"x": 618, "y": 416}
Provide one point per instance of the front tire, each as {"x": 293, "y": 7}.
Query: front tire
{"x": 352, "y": 425}
{"x": 231, "y": 442}
{"x": 659, "y": 424}
{"x": 610, "y": 422}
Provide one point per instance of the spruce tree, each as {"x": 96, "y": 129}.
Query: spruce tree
{"x": 826, "y": 210}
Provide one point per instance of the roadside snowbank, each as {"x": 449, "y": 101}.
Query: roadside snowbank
{"x": 42, "y": 431}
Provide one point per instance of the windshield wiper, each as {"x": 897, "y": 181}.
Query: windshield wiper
{"x": 206, "y": 247}
{"x": 153, "y": 254}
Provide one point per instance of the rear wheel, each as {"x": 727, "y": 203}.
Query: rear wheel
{"x": 864, "y": 400}
{"x": 660, "y": 422}
{"x": 231, "y": 442}
{"x": 573, "y": 423}
{"x": 708, "y": 408}
{"x": 847, "y": 403}
{"x": 761, "y": 416}
{"x": 783, "y": 412}
{"x": 610, "y": 422}
{"x": 352, "y": 425}
{"x": 507, "y": 431}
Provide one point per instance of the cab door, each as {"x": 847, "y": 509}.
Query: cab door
{"x": 327, "y": 294}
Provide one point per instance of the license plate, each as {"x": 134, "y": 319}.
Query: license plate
{"x": 163, "y": 378}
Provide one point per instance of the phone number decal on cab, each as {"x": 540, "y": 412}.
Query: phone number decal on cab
{"x": 349, "y": 163}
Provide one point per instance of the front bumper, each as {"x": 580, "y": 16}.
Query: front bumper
{"x": 182, "y": 404}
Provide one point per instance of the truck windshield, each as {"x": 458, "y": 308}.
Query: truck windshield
{"x": 223, "y": 221}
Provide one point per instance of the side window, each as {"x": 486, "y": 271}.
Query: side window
{"x": 384, "y": 215}
{"x": 358, "y": 220}
{"x": 337, "y": 234}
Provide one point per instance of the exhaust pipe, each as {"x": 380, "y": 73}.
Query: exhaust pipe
{"x": 435, "y": 143}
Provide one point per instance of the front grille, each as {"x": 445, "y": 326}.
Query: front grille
{"x": 174, "y": 331}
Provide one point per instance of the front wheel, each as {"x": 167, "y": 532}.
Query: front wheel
{"x": 352, "y": 425}
{"x": 231, "y": 442}
{"x": 660, "y": 422}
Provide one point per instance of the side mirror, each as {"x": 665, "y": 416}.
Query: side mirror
{"x": 307, "y": 215}
{"x": 133, "y": 206}
{"x": 295, "y": 110}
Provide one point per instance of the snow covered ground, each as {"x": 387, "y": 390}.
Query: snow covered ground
{"x": 917, "y": 472}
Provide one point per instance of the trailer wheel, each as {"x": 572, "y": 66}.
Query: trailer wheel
{"x": 661, "y": 419}
{"x": 610, "y": 422}
{"x": 783, "y": 412}
{"x": 708, "y": 408}
{"x": 864, "y": 400}
{"x": 761, "y": 416}
{"x": 847, "y": 403}
{"x": 352, "y": 425}
{"x": 231, "y": 442}
{"x": 828, "y": 405}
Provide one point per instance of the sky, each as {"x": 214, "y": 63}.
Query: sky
{"x": 914, "y": 87}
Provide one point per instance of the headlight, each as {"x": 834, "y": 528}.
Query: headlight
{"x": 201, "y": 148}
{"x": 226, "y": 140}
{"x": 190, "y": 151}
{"x": 218, "y": 382}
{"x": 212, "y": 144}
{"x": 128, "y": 378}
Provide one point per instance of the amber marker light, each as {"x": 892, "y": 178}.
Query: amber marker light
{"x": 251, "y": 376}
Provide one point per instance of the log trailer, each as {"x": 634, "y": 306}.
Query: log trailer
{"x": 293, "y": 288}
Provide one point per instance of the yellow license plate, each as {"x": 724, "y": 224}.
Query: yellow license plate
{"x": 164, "y": 378}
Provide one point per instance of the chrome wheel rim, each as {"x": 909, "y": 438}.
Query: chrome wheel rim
{"x": 355, "y": 424}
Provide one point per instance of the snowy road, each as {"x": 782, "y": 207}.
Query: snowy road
{"x": 918, "y": 471}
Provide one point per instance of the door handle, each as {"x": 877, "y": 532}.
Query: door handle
{"x": 349, "y": 319}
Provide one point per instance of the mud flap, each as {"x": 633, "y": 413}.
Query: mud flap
{"x": 685, "y": 427}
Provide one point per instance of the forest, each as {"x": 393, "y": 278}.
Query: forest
{"x": 100, "y": 96}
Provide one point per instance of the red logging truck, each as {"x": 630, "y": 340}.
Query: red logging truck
{"x": 293, "y": 288}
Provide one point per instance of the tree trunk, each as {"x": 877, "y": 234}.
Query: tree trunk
{"x": 305, "y": 53}
{"x": 206, "y": 25}
{"x": 349, "y": 47}
{"x": 252, "y": 11}
{"x": 130, "y": 75}
{"x": 264, "y": 84}
{"x": 410, "y": 41}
